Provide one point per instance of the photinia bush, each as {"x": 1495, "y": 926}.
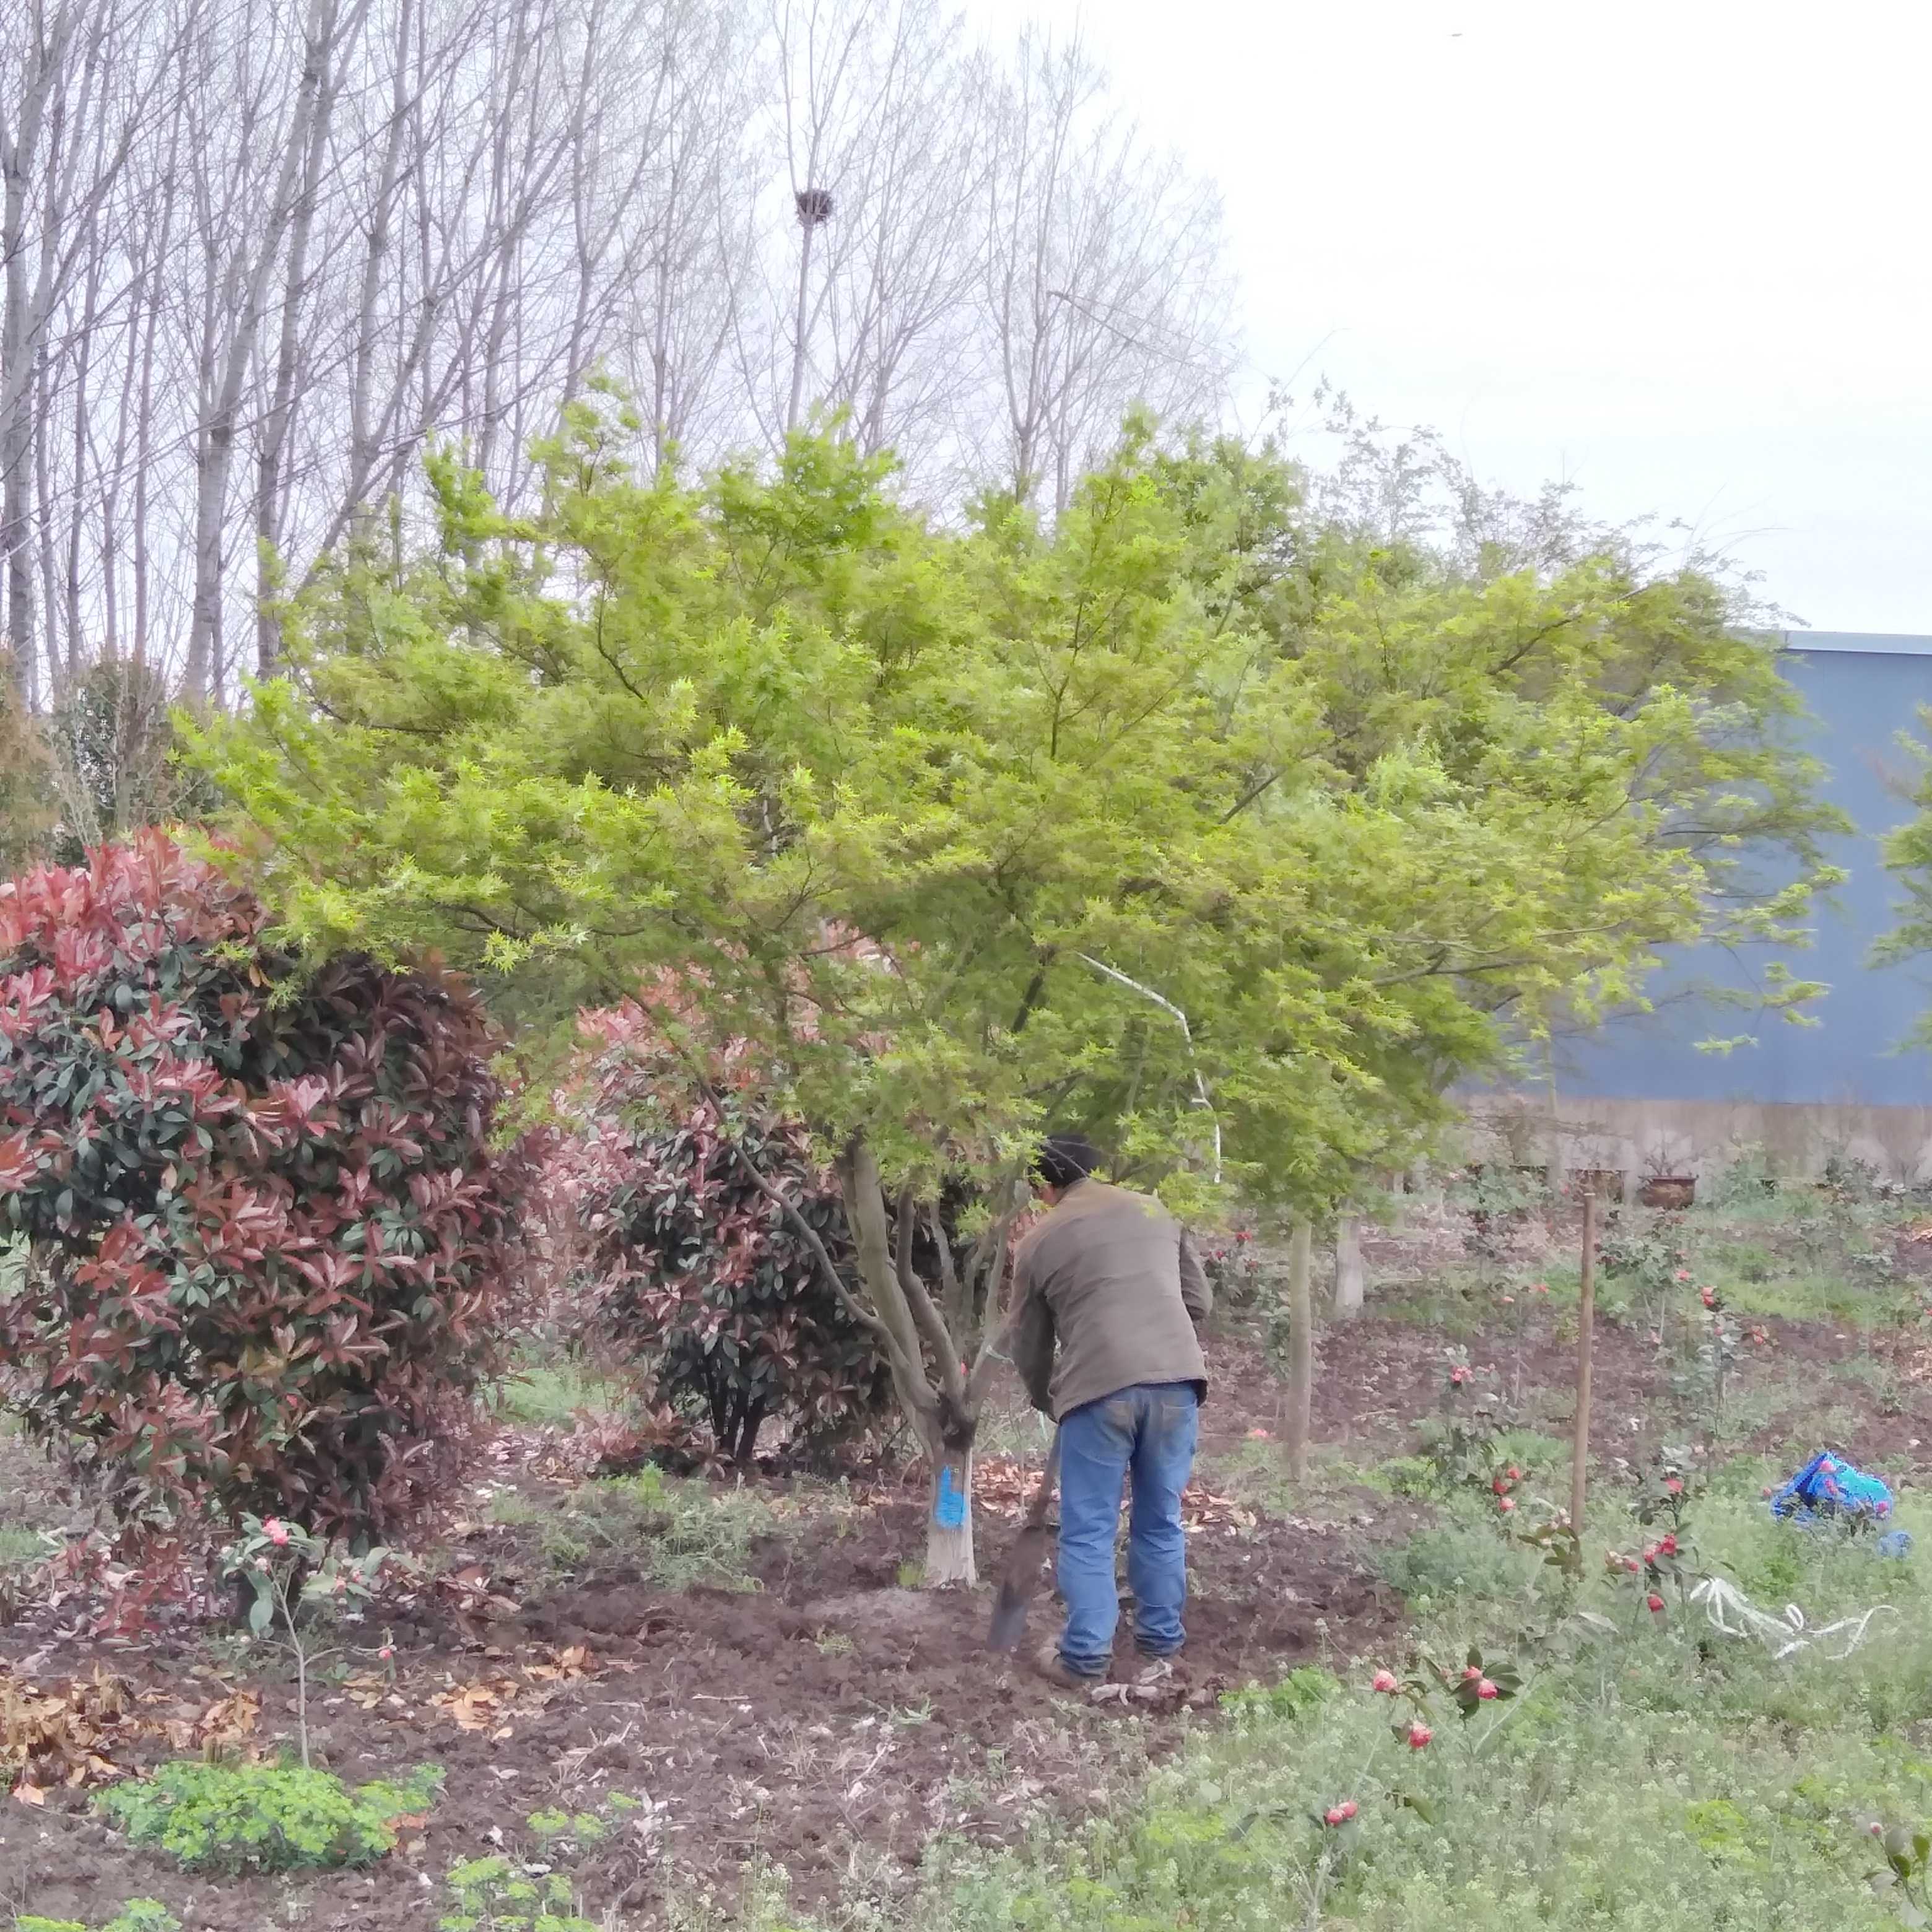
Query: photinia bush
{"x": 269, "y": 1245}
{"x": 687, "y": 1267}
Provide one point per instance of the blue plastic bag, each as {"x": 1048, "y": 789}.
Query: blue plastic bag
{"x": 1828, "y": 1487}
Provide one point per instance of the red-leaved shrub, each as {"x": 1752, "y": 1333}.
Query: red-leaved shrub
{"x": 687, "y": 1268}
{"x": 268, "y": 1245}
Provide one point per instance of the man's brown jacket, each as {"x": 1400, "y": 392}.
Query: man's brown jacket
{"x": 1114, "y": 1278}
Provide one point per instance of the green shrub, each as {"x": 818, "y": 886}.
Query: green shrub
{"x": 268, "y": 1818}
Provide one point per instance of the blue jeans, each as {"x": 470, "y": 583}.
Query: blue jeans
{"x": 1146, "y": 1433}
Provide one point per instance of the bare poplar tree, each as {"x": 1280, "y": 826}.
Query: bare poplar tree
{"x": 1102, "y": 276}
{"x": 255, "y": 258}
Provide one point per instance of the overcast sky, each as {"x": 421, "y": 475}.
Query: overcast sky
{"x": 1677, "y": 253}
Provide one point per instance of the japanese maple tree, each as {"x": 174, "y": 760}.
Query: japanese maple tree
{"x": 969, "y": 834}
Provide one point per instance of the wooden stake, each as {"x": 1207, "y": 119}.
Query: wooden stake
{"x": 1300, "y": 1352}
{"x": 1586, "y": 1315}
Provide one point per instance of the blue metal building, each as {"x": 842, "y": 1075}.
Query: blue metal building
{"x": 1638, "y": 1093}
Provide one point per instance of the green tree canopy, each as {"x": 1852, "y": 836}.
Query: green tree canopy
{"x": 937, "y": 822}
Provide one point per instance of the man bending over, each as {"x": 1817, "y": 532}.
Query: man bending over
{"x": 1113, "y": 1279}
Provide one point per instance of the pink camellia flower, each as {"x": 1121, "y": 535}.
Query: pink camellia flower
{"x": 1506, "y": 1504}
{"x": 1338, "y": 1814}
{"x": 1385, "y": 1682}
{"x": 1683, "y": 1274}
{"x": 1419, "y": 1736}
{"x": 276, "y": 1530}
{"x": 1632, "y": 1564}
{"x": 1458, "y": 1376}
{"x": 1877, "y": 1829}
{"x": 387, "y": 1651}
{"x": 1668, "y": 1547}
{"x": 1513, "y": 1473}
{"x": 1244, "y": 1235}
{"x": 1653, "y": 1602}
{"x": 1472, "y": 1673}
{"x": 1674, "y": 1485}
{"x": 1486, "y": 1691}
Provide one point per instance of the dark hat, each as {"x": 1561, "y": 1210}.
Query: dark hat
{"x": 1063, "y": 1159}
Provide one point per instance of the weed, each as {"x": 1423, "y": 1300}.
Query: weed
{"x": 674, "y": 1534}
{"x": 267, "y": 1818}
{"x": 496, "y": 1895}
{"x": 502, "y": 1893}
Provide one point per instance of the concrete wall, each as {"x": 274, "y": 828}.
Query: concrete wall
{"x": 1703, "y": 1137}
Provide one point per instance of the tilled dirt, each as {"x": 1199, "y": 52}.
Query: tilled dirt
{"x": 829, "y": 1723}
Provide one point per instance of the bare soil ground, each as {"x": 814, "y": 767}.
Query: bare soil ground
{"x": 832, "y": 1720}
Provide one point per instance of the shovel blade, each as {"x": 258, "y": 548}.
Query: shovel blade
{"x": 1018, "y": 1587}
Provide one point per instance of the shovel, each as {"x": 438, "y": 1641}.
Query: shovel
{"x": 1020, "y": 1579}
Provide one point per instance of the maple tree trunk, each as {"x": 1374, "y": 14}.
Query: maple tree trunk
{"x": 949, "y": 1517}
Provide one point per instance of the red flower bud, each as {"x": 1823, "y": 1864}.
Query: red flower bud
{"x": 1385, "y": 1682}
{"x": 1513, "y": 1473}
{"x": 1668, "y": 1546}
{"x": 1653, "y": 1602}
{"x": 1338, "y": 1814}
{"x": 1419, "y": 1736}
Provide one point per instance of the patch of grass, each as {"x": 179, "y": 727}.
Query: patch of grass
{"x": 267, "y": 1818}
{"x": 549, "y": 1393}
{"x": 20, "y": 1547}
{"x": 673, "y": 1534}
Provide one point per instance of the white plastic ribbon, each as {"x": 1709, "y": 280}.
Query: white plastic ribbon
{"x": 1732, "y": 1614}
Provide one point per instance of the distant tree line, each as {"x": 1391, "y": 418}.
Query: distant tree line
{"x": 258, "y": 256}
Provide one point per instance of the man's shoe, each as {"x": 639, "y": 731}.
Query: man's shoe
{"x": 1048, "y": 1662}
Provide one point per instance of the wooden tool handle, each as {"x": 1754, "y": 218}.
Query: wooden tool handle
{"x": 1049, "y": 1480}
